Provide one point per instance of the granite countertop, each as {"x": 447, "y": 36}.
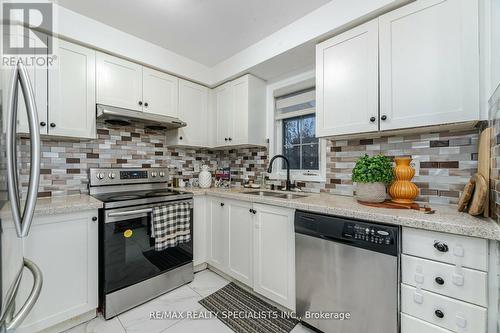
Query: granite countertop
{"x": 61, "y": 204}
{"x": 445, "y": 219}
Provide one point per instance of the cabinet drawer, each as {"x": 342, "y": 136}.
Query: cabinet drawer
{"x": 411, "y": 324}
{"x": 470, "y": 285}
{"x": 456, "y": 315}
{"x": 471, "y": 252}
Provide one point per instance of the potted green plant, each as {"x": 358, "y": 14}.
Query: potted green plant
{"x": 371, "y": 175}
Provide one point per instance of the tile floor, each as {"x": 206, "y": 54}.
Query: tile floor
{"x": 184, "y": 298}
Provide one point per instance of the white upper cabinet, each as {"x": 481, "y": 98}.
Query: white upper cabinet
{"x": 193, "y": 109}
{"x": 119, "y": 82}
{"x": 160, "y": 92}
{"x": 347, "y": 82}
{"x": 429, "y": 64}
{"x": 240, "y": 108}
{"x": 38, "y": 78}
{"x": 72, "y": 92}
{"x": 224, "y": 106}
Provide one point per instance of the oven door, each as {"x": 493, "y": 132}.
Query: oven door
{"x": 127, "y": 249}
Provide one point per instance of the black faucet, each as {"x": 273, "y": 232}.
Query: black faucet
{"x": 270, "y": 169}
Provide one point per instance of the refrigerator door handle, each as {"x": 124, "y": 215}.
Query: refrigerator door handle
{"x": 19, "y": 317}
{"x": 23, "y": 222}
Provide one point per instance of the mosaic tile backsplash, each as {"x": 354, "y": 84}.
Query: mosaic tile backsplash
{"x": 443, "y": 161}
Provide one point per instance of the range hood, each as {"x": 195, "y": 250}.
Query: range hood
{"x": 125, "y": 117}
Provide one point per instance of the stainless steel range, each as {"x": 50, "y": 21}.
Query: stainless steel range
{"x": 131, "y": 271}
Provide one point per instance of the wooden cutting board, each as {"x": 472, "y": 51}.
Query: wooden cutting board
{"x": 466, "y": 194}
{"x": 394, "y": 205}
{"x": 478, "y": 203}
{"x": 483, "y": 165}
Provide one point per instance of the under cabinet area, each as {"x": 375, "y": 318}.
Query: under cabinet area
{"x": 406, "y": 56}
{"x": 254, "y": 244}
{"x": 65, "y": 248}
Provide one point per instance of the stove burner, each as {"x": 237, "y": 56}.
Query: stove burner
{"x": 125, "y": 197}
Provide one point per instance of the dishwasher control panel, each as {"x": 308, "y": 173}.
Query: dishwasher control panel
{"x": 368, "y": 233}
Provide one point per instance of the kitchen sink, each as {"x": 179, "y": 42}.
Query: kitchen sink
{"x": 277, "y": 194}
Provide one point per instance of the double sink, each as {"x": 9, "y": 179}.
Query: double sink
{"x": 276, "y": 194}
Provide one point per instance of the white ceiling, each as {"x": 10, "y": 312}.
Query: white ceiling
{"x": 207, "y": 31}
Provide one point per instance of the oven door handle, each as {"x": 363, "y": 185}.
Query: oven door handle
{"x": 131, "y": 212}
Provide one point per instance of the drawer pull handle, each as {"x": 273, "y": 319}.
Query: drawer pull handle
{"x": 439, "y": 280}
{"x": 441, "y": 247}
{"x": 439, "y": 313}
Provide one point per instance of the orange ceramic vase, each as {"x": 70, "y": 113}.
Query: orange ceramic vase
{"x": 402, "y": 189}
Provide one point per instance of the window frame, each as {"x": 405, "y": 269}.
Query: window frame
{"x": 275, "y": 128}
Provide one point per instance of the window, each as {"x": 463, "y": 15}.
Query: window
{"x": 295, "y": 135}
{"x": 300, "y": 145}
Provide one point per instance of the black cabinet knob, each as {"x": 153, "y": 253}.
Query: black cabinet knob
{"x": 140, "y": 102}
{"x": 372, "y": 119}
{"x": 94, "y": 218}
{"x": 439, "y": 280}
{"x": 225, "y": 139}
{"x": 146, "y": 104}
{"x": 439, "y": 313}
{"x": 441, "y": 247}
{"x": 43, "y": 123}
{"x": 52, "y": 125}
{"x": 180, "y": 138}
{"x": 230, "y": 139}
{"x": 222, "y": 204}
{"x": 250, "y": 210}
{"x": 384, "y": 117}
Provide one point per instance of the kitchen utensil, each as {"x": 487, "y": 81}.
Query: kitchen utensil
{"x": 466, "y": 194}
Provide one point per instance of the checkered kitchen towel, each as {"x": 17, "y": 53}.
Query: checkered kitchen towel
{"x": 171, "y": 225}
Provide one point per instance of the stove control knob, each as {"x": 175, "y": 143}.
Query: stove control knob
{"x": 153, "y": 174}
{"x": 367, "y": 230}
{"x": 162, "y": 174}
{"x": 111, "y": 176}
{"x": 100, "y": 175}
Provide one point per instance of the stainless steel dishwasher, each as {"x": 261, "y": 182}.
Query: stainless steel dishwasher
{"x": 346, "y": 267}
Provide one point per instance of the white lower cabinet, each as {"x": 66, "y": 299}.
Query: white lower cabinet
{"x": 64, "y": 247}
{"x": 199, "y": 230}
{"x": 442, "y": 311}
{"x": 218, "y": 234}
{"x": 411, "y": 324}
{"x": 444, "y": 283}
{"x": 274, "y": 253}
{"x": 240, "y": 241}
{"x": 254, "y": 244}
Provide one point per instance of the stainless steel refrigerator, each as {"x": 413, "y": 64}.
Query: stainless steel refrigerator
{"x": 15, "y": 215}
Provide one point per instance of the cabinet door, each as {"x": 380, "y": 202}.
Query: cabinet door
{"x": 347, "y": 82}
{"x": 200, "y": 230}
{"x": 72, "y": 92}
{"x": 429, "y": 64}
{"x": 193, "y": 109}
{"x": 238, "y": 129}
{"x": 119, "y": 82}
{"x": 224, "y": 106}
{"x": 218, "y": 234}
{"x": 38, "y": 77}
{"x": 161, "y": 93}
{"x": 274, "y": 254}
{"x": 65, "y": 248}
{"x": 240, "y": 263}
